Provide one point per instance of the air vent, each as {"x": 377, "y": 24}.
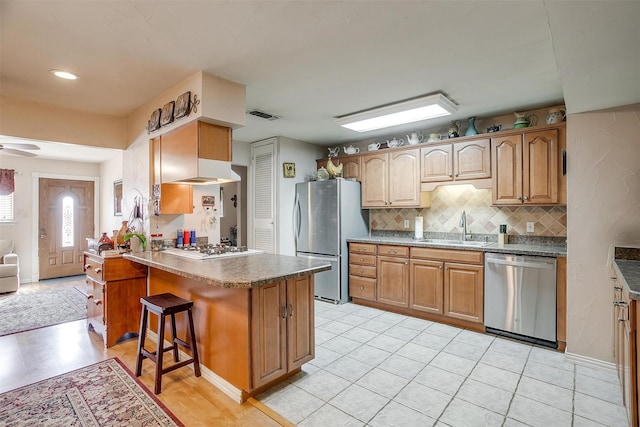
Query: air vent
{"x": 263, "y": 115}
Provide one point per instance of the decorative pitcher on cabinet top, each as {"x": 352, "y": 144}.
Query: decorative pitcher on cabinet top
{"x": 333, "y": 152}
{"x": 351, "y": 150}
{"x": 415, "y": 138}
{"x": 556, "y": 115}
{"x": 454, "y": 129}
{"x": 524, "y": 120}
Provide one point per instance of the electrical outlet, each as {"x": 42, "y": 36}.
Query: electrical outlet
{"x": 406, "y": 223}
{"x": 530, "y": 227}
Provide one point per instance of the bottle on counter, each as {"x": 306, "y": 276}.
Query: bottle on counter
{"x": 193, "y": 239}
{"x": 179, "y": 238}
{"x": 186, "y": 238}
{"x": 502, "y": 237}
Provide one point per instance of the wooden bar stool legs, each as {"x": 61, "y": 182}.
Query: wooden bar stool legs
{"x": 164, "y": 305}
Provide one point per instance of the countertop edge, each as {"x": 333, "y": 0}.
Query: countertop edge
{"x": 550, "y": 251}
{"x": 628, "y": 271}
{"x": 238, "y": 284}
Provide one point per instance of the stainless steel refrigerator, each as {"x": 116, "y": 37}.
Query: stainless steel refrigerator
{"x": 326, "y": 214}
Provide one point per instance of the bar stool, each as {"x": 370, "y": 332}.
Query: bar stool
{"x": 164, "y": 305}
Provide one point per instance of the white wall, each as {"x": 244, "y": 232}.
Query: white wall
{"x": 110, "y": 171}
{"x": 22, "y": 231}
{"x": 603, "y": 211}
{"x": 304, "y": 156}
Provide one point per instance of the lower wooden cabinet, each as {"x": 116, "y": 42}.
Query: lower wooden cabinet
{"x": 464, "y": 292}
{"x": 363, "y": 271}
{"x": 282, "y": 328}
{"x": 114, "y": 288}
{"x": 393, "y": 275}
{"x": 426, "y": 279}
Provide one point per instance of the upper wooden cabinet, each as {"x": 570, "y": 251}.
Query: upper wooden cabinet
{"x": 455, "y": 162}
{"x": 181, "y": 149}
{"x": 175, "y": 199}
{"x": 525, "y": 168}
{"x": 392, "y": 180}
{"x": 350, "y": 165}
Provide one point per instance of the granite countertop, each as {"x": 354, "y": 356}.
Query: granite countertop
{"x": 627, "y": 267}
{"x": 521, "y": 249}
{"x": 247, "y": 271}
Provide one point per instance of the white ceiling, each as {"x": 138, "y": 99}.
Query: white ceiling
{"x": 309, "y": 61}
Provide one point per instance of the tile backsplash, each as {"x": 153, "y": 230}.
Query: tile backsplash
{"x": 448, "y": 202}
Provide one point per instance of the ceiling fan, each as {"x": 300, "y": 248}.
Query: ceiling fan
{"x": 17, "y": 149}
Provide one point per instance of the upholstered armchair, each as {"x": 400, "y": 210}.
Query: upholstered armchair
{"x": 9, "y": 269}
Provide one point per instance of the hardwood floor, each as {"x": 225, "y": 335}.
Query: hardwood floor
{"x": 31, "y": 356}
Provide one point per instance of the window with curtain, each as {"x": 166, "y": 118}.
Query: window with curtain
{"x": 7, "y": 189}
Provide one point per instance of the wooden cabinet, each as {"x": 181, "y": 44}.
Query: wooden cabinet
{"x": 393, "y": 275}
{"x": 350, "y": 165}
{"x": 363, "y": 271}
{"x": 441, "y": 284}
{"x": 525, "y": 168}
{"x": 175, "y": 199}
{"x": 114, "y": 288}
{"x": 282, "y": 328}
{"x": 392, "y": 179}
{"x": 456, "y": 162}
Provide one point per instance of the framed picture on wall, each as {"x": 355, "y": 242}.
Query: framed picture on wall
{"x": 289, "y": 170}
{"x": 154, "y": 120}
{"x": 117, "y": 198}
{"x": 183, "y": 105}
{"x": 167, "y": 113}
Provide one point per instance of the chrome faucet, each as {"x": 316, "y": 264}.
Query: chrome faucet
{"x": 463, "y": 224}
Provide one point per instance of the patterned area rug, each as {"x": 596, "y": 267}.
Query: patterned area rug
{"x": 104, "y": 394}
{"x": 23, "y": 312}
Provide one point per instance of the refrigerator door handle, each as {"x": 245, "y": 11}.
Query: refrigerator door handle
{"x": 296, "y": 220}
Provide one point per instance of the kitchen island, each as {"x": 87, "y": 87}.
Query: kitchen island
{"x": 253, "y": 314}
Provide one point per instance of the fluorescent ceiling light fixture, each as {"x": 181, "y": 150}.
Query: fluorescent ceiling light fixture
{"x": 64, "y": 74}
{"x": 409, "y": 111}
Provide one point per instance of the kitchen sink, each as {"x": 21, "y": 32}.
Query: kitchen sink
{"x": 455, "y": 242}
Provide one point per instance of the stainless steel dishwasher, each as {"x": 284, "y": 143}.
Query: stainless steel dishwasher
{"x": 520, "y": 297}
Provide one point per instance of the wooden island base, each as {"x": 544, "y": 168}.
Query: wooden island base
{"x": 248, "y": 338}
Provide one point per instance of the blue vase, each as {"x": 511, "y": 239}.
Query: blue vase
{"x": 472, "y": 127}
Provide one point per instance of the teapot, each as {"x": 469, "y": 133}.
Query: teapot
{"x": 351, "y": 150}
{"x": 395, "y": 143}
{"x": 333, "y": 152}
{"x": 433, "y": 137}
{"x": 524, "y": 120}
{"x": 556, "y": 115}
{"x": 373, "y": 146}
{"x": 414, "y": 138}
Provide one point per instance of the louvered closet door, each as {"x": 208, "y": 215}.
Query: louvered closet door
{"x": 263, "y": 228}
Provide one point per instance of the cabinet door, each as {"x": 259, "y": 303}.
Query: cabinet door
{"x": 351, "y": 167}
{"x": 472, "y": 159}
{"x": 436, "y": 163}
{"x": 374, "y": 175}
{"x": 95, "y": 306}
{"x": 540, "y": 167}
{"x": 175, "y": 199}
{"x": 506, "y": 169}
{"x": 269, "y": 323}
{"x": 393, "y": 281}
{"x": 425, "y": 286}
{"x": 404, "y": 178}
{"x": 464, "y": 292}
{"x": 300, "y": 322}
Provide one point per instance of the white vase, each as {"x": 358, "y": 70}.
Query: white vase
{"x": 136, "y": 244}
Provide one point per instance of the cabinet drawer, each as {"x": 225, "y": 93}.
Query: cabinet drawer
{"x": 362, "y": 270}
{"x": 469, "y": 257}
{"x": 362, "y": 248}
{"x": 362, "y": 259}
{"x": 94, "y": 268}
{"x": 96, "y": 303}
{"x": 362, "y": 287}
{"x": 388, "y": 250}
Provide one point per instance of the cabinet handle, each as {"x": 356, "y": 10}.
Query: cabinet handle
{"x": 446, "y": 268}
{"x": 362, "y": 288}
{"x": 440, "y": 267}
{"x": 361, "y": 259}
{"x": 361, "y": 271}
{"x": 457, "y": 175}
{"x": 86, "y": 266}
{"x": 450, "y": 175}
{"x": 97, "y": 301}
{"x": 519, "y": 198}
{"x": 284, "y": 311}
{"x": 617, "y": 288}
{"x": 89, "y": 296}
{"x": 526, "y": 198}
{"x": 290, "y": 310}
{"x": 97, "y": 270}
{"x": 406, "y": 263}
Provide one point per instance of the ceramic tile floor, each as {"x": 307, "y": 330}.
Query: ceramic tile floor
{"x": 374, "y": 368}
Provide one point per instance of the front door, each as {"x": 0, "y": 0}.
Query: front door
{"x": 65, "y": 221}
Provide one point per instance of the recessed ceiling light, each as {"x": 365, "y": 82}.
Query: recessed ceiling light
{"x": 64, "y": 74}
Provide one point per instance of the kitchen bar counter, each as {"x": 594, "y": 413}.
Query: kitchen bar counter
{"x": 522, "y": 249}
{"x": 247, "y": 271}
{"x": 626, "y": 265}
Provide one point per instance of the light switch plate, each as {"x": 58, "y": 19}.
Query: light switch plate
{"x": 530, "y": 227}
{"x": 406, "y": 223}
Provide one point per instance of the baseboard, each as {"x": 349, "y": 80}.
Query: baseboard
{"x": 590, "y": 362}
{"x": 220, "y": 383}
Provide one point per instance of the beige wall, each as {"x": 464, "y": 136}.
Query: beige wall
{"x": 603, "y": 210}
{"x": 23, "y": 230}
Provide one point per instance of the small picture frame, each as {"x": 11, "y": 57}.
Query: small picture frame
{"x": 208, "y": 201}
{"x": 117, "y": 198}
{"x": 154, "y": 120}
{"x": 289, "y": 170}
{"x": 167, "y": 113}
{"x": 183, "y": 105}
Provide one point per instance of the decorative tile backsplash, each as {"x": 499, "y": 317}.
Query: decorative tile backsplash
{"x": 448, "y": 202}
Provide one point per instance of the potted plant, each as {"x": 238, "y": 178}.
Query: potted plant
{"x": 138, "y": 241}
